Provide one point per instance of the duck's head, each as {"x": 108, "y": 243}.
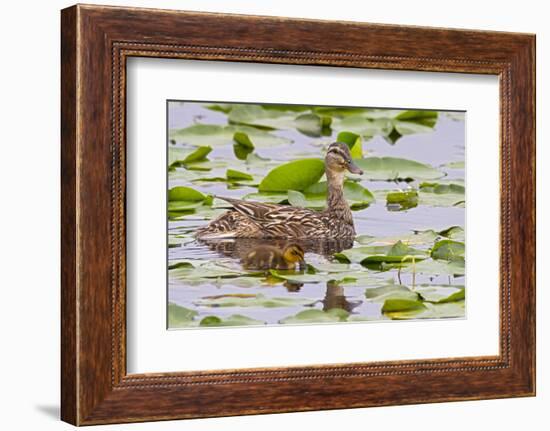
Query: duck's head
{"x": 294, "y": 254}
{"x": 338, "y": 159}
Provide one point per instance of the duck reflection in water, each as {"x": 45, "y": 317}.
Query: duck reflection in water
{"x": 335, "y": 298}
{"x": 239, "y": 248}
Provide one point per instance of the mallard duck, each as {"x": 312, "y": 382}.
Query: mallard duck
{"x": 269, "y": 257}
{"x": 264, "y": 220}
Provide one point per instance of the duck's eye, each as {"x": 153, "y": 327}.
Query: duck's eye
{"x": 348, "y": 160}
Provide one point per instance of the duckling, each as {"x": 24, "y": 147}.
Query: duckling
{"x": 250, "y": 219}
{"x": 269, "y": 257}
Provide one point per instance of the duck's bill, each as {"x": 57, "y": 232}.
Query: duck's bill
{"x": 354, "y": 169}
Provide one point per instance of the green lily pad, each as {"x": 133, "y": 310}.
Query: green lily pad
{"x": 391, "y": 291}
{"x": 363, "y": 126}
{"x": 315, "y": 196}
{"x": 442, "y": 193}
{"x": 217, "y": 135}
{"x": 258, "y": 116}
{"x": 258, "y": 300}
{"x": 295, "y": 175}
{"x": 393, "y": 168}
{"x": 437, "y": 267}
{"x": 313, "y": 278}
{"x": 269, "y": 197}
{"x": 178, "y": 156}
{"x": 313, "y": 125}
{"x": 181, "y": 193}
{"x": 317, "y": 316}
{"x": 180, "y": 317}
{"x": 353, "y": 141}
{"x": 430, "y": 311}
{"x": 441, "y": 293}
{"x": 397, "y": 305}
{"x": 209, "y": 270}
{"x": 234, "y": 175}
{"x": 422, "y": 238}
{"x": 448, "y": 250}
{"x": 233, "y": 320}
{"x": 402, "y": 200}
{"x": 454, "y": 232}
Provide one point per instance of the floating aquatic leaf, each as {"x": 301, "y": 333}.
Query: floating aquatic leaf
{"x": 296, "y": 175}
{"x": 180, "y": 317}
{"x": 430, "y": 311}
{"x": 257, "y": 116}
{"x": 178, "y": 156}
{"x": 364, "y": 126}
{"x": 391, "y": 291}
{"x": 315, "y": 196}
{"x": 353, "y": 141}
{"x": 313, "y": 278}
{"x": 448, "y": 250}
{"x": 396, "y": 253}
{"x": 392, "y": 168}
{"x": 423, "y": 238}
{"x": 313, "y": 125}
{"x": 402, "y": 200}
{"x": 188, "y": 194}
{"x": 234, "y": 175}
{"x": 258, "y": 300}
{"x": 243, "y": 145}
{"x": 317, "y": 316}
{"x": 437, "y": 267}
{"x": 217, "y": 135}
{"x": 441, "y": 293}
{"x": 270, "y": 197}
{"x": 233, "y": 320}
{"x": 454, "y": 232}
{"x": 396, "y": 305}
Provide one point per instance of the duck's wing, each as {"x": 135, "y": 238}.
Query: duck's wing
{"x": 255, "y": 210}
{"x": 279, "y": 220}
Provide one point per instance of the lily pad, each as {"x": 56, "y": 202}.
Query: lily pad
{"x": 313, "y": 278}
{"x": 180, "y": 317}
{"x": 233, "y": 320}
{"x": 258, "y": 300}
{"x": 353, "y": 141}
{"x": 218, "y": 135}
{"x": 430, "y": 311}
{"x": 269, "y": 197}
{"x": 393, "y": 168}
{"x": 454, "y": 232}
{"x": 313, "y": 125}
{"x": 181, "y": 193}
{"x": 422, "y": 238}
{"x": 402, "y": 200}
{"x": 391, "y": 291}
{"x": 437, "y": 267}
{"x": 442, "y": 193}
{"x": 178, "y": 156}
{"x": 234, "y": 175}
{"x": 448, "y": 250}
{"x": 258, "y": 116}
{"x": 317, "y": 316}
{"x": 295, "y": 175}
{"x": 441, "y": 293}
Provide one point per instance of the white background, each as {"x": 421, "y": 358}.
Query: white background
{"x": 29, "y": 222}
{"x": 153, "y": 349}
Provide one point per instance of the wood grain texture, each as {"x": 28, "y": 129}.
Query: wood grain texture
{"x": 96, "y": 41}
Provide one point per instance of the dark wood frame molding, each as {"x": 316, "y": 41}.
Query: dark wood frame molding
{"x": 95, "y": 43}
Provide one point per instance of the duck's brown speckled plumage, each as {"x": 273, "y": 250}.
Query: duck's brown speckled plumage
{"x": 264, "y": 220}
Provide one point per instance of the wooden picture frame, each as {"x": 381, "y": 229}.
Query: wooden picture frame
{"x": 95, "y": 43}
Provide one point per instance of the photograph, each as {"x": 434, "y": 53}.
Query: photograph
{"x": 301, "y": 214}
